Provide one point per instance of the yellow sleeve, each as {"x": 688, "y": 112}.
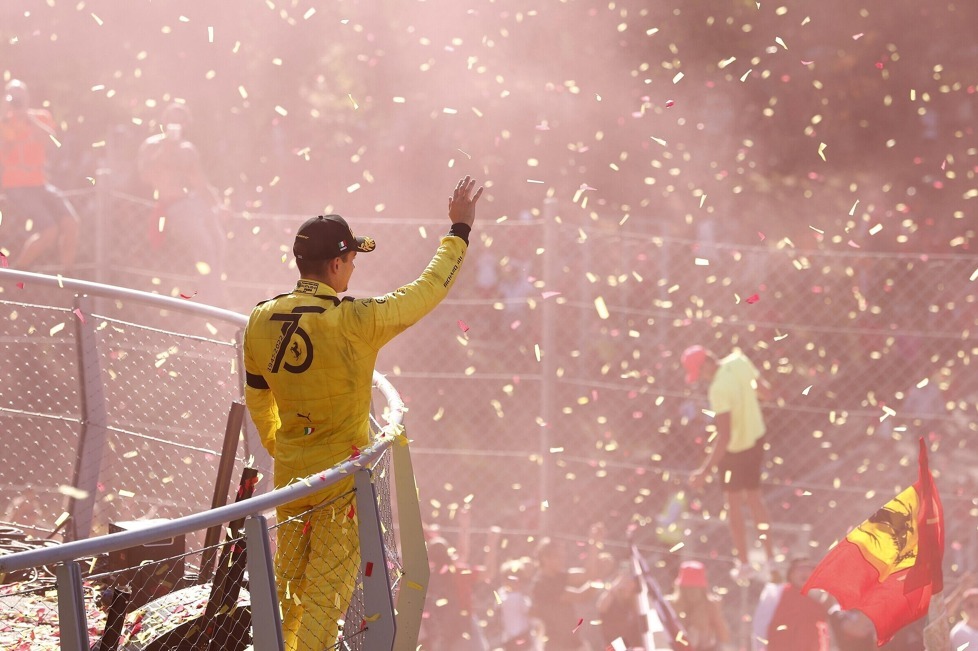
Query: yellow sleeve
{"x": 264, "y": 412}
{"x": 260, "y": 401}
{"x": 381, "y": 319}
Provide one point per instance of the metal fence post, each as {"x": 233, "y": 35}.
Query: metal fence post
{"x": 71, "y": 608}
{"x": 91, "y": 442}
{"x": 548, "y": 375}
{"x": 414, "y": 554}
{"x": 266, "y": 618}
{"x": 377, "y": 603}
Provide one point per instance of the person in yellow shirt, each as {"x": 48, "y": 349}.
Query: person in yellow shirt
{"x": 738, "y": 451}
{"x": 309, "y": 359}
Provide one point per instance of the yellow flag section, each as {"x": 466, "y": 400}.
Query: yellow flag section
{"x": 888, "y": 539}
{"x": 889, "y": 566}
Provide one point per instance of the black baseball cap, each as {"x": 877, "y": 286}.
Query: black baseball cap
{"x": 329, "y": 236}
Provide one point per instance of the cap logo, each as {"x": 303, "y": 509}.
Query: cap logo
{"x": 342, "y": 245}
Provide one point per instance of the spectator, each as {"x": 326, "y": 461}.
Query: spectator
{"x": 518, "y": 632}
{"x": 25, "y": 134}
{"x": 184, "y": 230}
{"x": 965, "y": 631}
{"x": 787, "y": 620}
{"x": 555, "y": 599}
{"x": 699, "y": 609}
{"x": 738, "y": 452}
{"x": 619, "y": 612}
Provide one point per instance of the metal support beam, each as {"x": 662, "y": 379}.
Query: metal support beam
{"x": 378, "y": 606}
{"x": 71, "y": 608}
{"x": 94, "y": 430}
{"x": 266, "y": 618}
{"x": 414, "y": 554}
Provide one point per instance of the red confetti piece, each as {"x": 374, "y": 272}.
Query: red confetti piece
{"x": 187, "y": 296}
{"x": 879, "y": 65}
{"x": 807, "y": 63}
{"x": 78, "y": 313}
{"x": 461, "y": 324}
{"x": 670, "y": 103}
{"x": 352, "y": 512}
{"x": 579, "y": 622}
{"x": 306, "y": 527}
{"x": 356, "y": 452}
{"x": 753, "y": 298}
{"x": 761, "y": 235}
{"x": 369, "y": 569}
{"x": 20, "y": 285}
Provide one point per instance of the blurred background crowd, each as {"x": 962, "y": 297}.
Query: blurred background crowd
{"x": 797, "y": 180}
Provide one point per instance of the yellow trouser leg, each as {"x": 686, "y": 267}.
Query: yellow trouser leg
{"x": 321, "y": 567}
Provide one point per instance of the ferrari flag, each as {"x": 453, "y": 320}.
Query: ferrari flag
{"x": 889, "y": 566}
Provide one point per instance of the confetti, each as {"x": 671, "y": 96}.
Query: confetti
{"x": 56, "y": 329}
{"x": 753, "y": 298}
{"x": 462, "y": 325}
{"x": 821, "y": 150}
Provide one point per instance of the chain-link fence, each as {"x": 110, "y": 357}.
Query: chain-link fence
{"x": 549, "y": 396}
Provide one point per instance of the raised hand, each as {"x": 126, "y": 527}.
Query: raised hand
{"x": 461, "y": 206}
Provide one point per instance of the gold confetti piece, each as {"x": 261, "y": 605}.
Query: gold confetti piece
{"x": 677, "y": 547}
{"x": 677, "y": 78}
{"x": 746, "y": 74}
{"x": 56, "y": 329}
{"x": 210, "y": 34}
{"x": 73, "y": 492}
{"x": 974, "y": 274}
{"x": 280, "y": 110}
{"x": 203, "y": 268}
{"x": 242, "y": 92}
{"x": 124, "y": 493}
{"x": 309, "y": 13}
{"x": 61, "y": 519}
{"x": 353, "y": 188}
{"x": 57, "y": 143}
{"x": 821, "y": 150}
{"x": 353, "y": 101}
{"x": 780, "y": 42}
{"x": 702, "y": 200}
{"x": 602, "y": 309}
{"x": 852, "y": 210}
{"x": 98, "y": 20}
{"x": 536, "y": 351}
{"x": 876, "y": 229}
{"x": 817, "y": 230}
{"x": 544, "y": 505}
{"x": 726, "y": 62}
{"x": 413, "y": 585}
{"x": 807, "y": 389}
{"x": 702, "y": 262}
{"x": 533, "y": 181}
{"x": 556, "y": 450}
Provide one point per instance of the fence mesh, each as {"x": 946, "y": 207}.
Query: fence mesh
{"x": 547, "y": 394}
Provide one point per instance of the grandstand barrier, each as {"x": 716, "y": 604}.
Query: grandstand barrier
{"x": 56, "y": 595}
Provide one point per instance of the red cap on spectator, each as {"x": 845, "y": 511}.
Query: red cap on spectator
{"x": 692, "y": 360}
{"x": 692, "y": 574}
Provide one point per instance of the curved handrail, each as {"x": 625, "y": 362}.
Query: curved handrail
{"x": 111, "y": 291}
{"x": 196, "y": 521}
{"x": 214, "y": 517}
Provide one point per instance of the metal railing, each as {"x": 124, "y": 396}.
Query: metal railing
{"x": 383, "y": 568}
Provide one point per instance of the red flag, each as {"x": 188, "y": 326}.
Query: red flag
{"x": 889, "y": 566}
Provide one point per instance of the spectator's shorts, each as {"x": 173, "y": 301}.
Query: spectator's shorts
{"x": 742, "y": 470}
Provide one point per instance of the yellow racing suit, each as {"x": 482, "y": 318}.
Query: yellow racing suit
{"x": 309, "y": 360}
